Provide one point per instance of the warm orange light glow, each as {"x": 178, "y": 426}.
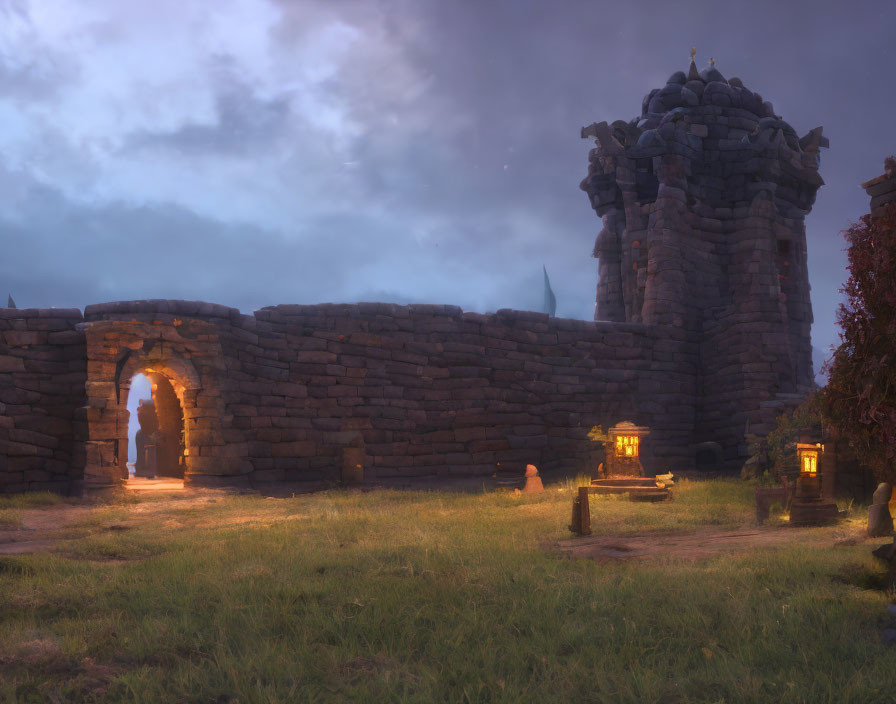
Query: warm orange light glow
{"x": 626, "y": 445}
{"x": 808, "y": 458}
{"x": 810, "y": 463}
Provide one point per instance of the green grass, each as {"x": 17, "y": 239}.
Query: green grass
{"x": 423, "y": 597}
{"x": 33, "y": 499}
{"x": 10, "y": 518}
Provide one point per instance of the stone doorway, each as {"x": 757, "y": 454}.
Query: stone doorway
{"x": 117, "y": 353}
{"x": 164, "y": 420}
{"x": 161, "y": 434}
{"x": 185, "y": 359}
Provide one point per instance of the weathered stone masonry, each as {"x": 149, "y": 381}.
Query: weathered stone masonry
{"x": 43, "y": 371}
{"x": 278, "y": 396}
{"x": 703, "y": 200}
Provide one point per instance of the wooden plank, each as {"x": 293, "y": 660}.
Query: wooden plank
{"x": 636, "y": 493}
{"x": 625, "y": 490}
{"x": 626, "y": 481}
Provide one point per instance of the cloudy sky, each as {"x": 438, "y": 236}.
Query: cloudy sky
{"x": 255, "y": 152}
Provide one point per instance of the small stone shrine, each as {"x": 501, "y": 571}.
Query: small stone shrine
{"x": 623, "y": 450}
{"x": 624, "y": 473}
{"x": 809, "y": 507}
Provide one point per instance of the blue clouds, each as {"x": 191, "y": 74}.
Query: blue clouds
{"x": 252, "y": 152}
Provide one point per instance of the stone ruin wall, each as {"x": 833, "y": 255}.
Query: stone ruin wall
{"x": 278, "y": 396}
{"x": 43, "y": 371}
{"x": 703, "y": 200}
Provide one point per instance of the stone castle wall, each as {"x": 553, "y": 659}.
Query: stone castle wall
{"x": 43, "y": 371}
{"x": 421, "y": 390}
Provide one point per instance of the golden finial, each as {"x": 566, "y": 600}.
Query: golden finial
{"x": 712, "y": 61}
{"x": 693, "y": 52}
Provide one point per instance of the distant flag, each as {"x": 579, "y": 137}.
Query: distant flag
{"x": 10, "y": 303}
{"x": 550, "y": 300}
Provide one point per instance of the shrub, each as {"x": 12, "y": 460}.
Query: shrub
{"x": 775, "y": 454}
{"x": 860, "y": 398}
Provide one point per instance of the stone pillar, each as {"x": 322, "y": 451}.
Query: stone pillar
{"x": 169, "y": 443}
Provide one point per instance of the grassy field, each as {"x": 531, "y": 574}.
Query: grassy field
{"x": 432, "y": 597}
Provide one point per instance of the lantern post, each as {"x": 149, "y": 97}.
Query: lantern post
{"x": 808, "y": 506}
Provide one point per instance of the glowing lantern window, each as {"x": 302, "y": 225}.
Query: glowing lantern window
{"x": 809, "y": 464}
{"x": 626, "y": 446}
{"x": 808, "y": 456}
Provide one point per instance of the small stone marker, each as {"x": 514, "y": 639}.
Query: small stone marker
{"x": 880, "y": 522}
{"x": 533, "y": 481}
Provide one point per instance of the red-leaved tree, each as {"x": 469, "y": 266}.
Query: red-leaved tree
{"x": 860, "y": 399}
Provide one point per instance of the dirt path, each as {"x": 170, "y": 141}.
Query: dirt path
{"x": 701, "y": 544}
{"x": 45, "y": 529}
{"x": 38, "y": 524}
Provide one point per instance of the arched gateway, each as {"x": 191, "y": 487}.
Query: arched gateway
{"x": 183, "y": 352}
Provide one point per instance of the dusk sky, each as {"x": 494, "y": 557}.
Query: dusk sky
{"x": 255, "y": 152}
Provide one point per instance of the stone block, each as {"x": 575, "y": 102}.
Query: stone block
{"x": 9, "y": 363}
{"x": 307, "y": 448}
{"x": 32, "y": 437}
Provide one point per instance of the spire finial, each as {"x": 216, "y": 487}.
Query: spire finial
{"x": 693, "y": 52}
{"x": 712, "y": 61}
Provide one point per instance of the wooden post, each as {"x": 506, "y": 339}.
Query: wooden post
{"x": 575, "y": 525}
{"x": 585, "y": 512}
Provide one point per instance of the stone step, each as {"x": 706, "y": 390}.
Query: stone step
{"x": 805, "y": 513}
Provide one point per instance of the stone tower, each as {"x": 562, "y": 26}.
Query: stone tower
{"x": 703, "y": 200}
